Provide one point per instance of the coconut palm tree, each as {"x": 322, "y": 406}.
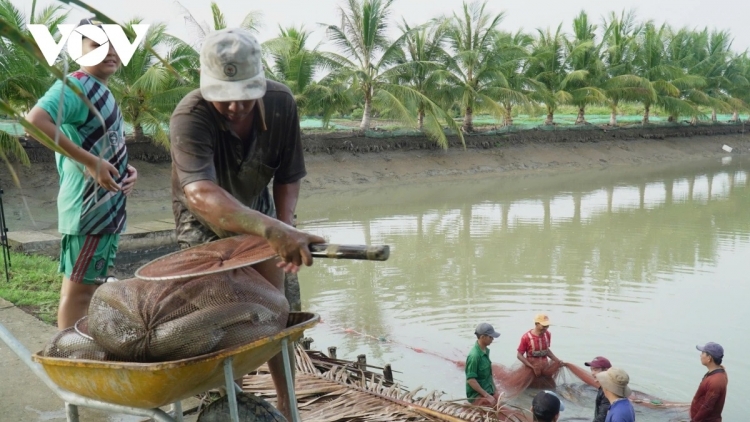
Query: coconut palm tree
{"x": 738, "y": 74}
{"x": 512, "y": 52}
{"x": 477, "y": 82}
{"x": 425, "y": 52}
{"x": 146, "y": 90}
{"x": 22, "y": 80}
{"x": 367, "y": 52}
{"x": 548, "y": 66}
{"x": 199, "y": 30}
{"x": 287, "y": 59}
{"x": 712, "y": 56}
{"x": 584, "y": 55}
{"x": 658, "y": 60}
{"x": 373, "y": 63}
{"x": 618, "y": 55}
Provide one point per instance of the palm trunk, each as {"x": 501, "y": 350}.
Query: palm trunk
{"x": 420, "y": 119}
{"x": 613, "y": 117}
{"x": 581, "y": 119}
{"x": 735, "y": 117}
{"x": 645, "y": 115}
{"x": 138, "y": 133}
{"x": 365, "y": 125}
{"x": 508, "y": 121}
{"x": 550, "y": 118}
{"x": 694, "y": 120}
{"x": 713, "y": 115}
{"x": 469, "y": 120}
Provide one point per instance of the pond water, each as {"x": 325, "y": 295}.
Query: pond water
{"x": 638, "y": 265}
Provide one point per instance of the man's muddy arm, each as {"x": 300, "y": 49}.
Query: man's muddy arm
{"x": 221, "y": 210}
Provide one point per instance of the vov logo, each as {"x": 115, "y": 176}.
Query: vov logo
{"x": 73, "y": 35}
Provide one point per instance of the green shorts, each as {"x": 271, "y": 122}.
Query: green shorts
{"x": 83, "y": 258}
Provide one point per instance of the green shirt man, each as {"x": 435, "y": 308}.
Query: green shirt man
{"x": 480, "y": 386}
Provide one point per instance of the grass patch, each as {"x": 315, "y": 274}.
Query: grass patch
{"x": 34, "y": 285}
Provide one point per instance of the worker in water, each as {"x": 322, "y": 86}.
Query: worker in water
{"x": 534, "y": 352}
{"x": 480, "y": 386}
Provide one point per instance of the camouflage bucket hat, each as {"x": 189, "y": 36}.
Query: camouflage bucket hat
{"x": 231, "y": 66}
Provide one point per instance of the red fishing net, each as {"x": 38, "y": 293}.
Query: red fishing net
{"x": 513, "y": 381}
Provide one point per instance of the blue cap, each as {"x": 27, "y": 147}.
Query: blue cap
{"x": 712, "y": 349}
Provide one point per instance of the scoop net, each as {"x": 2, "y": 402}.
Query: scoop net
{"x": 209, "y": 258}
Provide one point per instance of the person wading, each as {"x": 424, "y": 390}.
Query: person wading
{"x": 534, "y": 351}
{"x": 601, "y": 408}
{"x": 708, "y": 402}
{"x": 614, "y": 382}
{"x": 480, "y": 386}
{"x": 546, "y": 407}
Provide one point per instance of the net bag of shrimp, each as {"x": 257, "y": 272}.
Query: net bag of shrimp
{"x": 155, "y": 321}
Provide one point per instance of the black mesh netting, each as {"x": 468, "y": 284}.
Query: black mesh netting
{"x": 153, "y": 321}
{"x": 75, "y": 343}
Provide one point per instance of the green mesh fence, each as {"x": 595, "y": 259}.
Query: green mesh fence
{"x": 11, "y": 128}
{"x": 16, "y": 129}
{"x": 487, "y": 125}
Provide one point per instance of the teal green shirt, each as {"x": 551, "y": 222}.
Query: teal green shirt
{"x": 478, "y": 366}
{"x": 83, "y": 206}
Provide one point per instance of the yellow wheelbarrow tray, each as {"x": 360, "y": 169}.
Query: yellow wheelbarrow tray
{"x": 141, "y": 388}
{"x": 149, "y": 385}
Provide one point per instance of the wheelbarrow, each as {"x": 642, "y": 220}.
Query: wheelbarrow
{"x": 141, "y": 389}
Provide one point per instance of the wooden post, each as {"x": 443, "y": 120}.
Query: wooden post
{"x": 306, "y": 342}
{"x": 362, "y": 362}
{"x": 388, "y": 373}
{"x": 332, "y": 352}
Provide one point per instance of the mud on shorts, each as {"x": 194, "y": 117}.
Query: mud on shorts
{"x": 83, "y": 258}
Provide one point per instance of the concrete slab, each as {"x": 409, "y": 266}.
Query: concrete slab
{"x": 34, "y": 242}
{"x": 144, "y": 235}
{"x": 154, "y": 226}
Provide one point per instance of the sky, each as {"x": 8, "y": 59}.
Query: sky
{"x": 527, "y": 15}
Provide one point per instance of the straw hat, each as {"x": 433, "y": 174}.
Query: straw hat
{"x": 615, "y": 380}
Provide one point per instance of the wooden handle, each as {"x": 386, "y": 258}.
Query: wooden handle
{"x": 369, "y": 253}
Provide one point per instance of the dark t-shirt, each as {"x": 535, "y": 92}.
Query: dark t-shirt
{"x": 203, "y": 147}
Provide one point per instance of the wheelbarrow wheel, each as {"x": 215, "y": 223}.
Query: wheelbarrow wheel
{"x": 250, "y": 408}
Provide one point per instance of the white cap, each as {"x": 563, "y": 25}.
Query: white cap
{"x": 231, "y": 66}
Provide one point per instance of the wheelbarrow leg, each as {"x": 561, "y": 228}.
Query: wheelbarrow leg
{"x": 71, "y": 412}
{"x": 177, "y": 409}
{"x": 289, "y": 379}
{"x": 231, "y": 392}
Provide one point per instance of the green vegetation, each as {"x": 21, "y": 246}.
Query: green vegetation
{"x": 447, "y": 75}
{"x": 34, "y": 285}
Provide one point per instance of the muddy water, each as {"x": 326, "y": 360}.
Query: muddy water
{"x": 638, "y": 265}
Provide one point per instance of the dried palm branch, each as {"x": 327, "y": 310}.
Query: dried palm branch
{"x": 332, "y": 390}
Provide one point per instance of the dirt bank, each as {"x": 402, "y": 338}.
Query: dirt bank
{"x": 347, "y": 161}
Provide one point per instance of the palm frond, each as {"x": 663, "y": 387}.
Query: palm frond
{"x": 334, "y": 392}
{"x": 10, "y": 145}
